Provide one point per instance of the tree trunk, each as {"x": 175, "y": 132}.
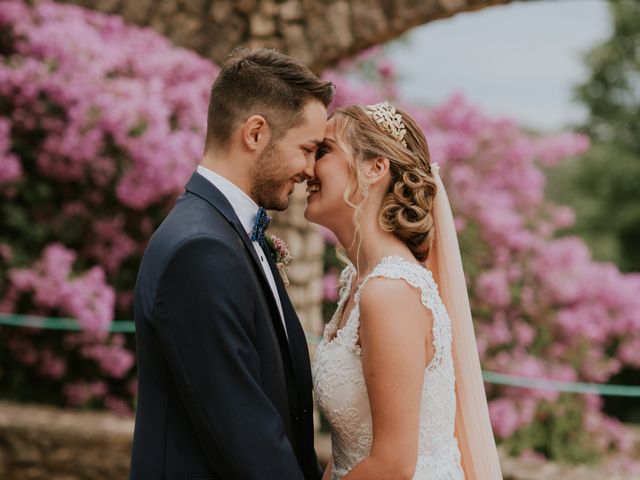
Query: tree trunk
{"x": 319, "y": 33}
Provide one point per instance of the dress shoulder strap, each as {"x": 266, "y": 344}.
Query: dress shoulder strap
{"x": 345, "y": 281}
{"x": 396, "y": 267}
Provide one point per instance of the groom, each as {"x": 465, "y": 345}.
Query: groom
{"x": 224, "y": 384}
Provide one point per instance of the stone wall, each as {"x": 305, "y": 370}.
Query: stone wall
{"x": 318, "y": 33}
{"x": 45, "y": 443}
{"x": 306, "y": 268}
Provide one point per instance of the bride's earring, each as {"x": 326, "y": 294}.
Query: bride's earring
{"x": 365, "y": 187}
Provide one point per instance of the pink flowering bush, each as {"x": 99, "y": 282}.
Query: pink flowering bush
{"x": 101, "y": 125}
{"x": 542, "y": 307}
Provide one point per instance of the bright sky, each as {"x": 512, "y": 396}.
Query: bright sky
{"x": 519, "y": 60}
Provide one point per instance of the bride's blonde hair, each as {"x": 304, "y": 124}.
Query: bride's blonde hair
{"x": 407, "y": 208}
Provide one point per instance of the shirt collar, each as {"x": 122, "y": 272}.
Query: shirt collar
{"x": 244, "y": 207}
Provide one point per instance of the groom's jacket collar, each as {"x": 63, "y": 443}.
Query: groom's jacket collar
{"x": 243, "y": 205}
{"x": 203, "y": 188}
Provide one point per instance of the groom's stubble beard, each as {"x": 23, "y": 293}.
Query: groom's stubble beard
{"x": 269, "y": 179}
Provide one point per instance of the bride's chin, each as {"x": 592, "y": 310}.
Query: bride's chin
{"x": 312, "y": 216}
{"x": 308, "y": 215}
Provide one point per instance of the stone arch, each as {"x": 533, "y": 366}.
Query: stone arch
{"x": 319, "y": 33}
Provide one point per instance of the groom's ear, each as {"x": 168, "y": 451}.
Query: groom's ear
{"x": 255, "y": 133}
{"x": 376, "y": 170}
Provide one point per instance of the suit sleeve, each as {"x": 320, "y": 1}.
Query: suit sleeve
{"x": 205, "y": 303}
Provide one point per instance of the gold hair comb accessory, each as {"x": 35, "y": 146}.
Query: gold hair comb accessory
{"x": 386, "y": 116}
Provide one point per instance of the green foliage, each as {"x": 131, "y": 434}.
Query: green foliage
{"x": 557, "y": 433}
{"x": 604, "y": 185}
{"x": 612, "y": 93}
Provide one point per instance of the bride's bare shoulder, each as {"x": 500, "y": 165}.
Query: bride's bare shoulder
{"x": 393, "y": 302}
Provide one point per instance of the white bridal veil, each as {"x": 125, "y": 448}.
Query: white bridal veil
{"x": 473, "y": 428}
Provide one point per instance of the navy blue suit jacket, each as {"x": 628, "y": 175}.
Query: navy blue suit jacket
{"x": 222, "y": 394}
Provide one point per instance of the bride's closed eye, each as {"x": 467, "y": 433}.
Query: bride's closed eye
{"x": 321, "y": 151}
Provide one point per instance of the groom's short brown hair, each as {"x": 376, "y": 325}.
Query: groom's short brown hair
{"x": 263, "y": 82}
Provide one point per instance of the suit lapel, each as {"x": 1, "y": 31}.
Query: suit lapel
{"x": 203, "y": 188}
{"x": 291, "y": 319}
{"x": 200, "y": 186}
{"x": 297, "y": 340}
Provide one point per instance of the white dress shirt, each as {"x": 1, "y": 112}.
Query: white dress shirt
{"x": 246, "y": 210}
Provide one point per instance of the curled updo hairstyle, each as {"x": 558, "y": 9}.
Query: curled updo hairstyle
{"x": 407, "y": 207}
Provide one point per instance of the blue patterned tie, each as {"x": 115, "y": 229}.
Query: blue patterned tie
{"x": 259, "y": 227}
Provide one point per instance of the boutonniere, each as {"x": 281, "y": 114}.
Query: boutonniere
{"x": 280, "y": 253}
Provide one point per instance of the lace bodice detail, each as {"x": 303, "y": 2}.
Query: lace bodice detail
{"x": 341, "y": 391}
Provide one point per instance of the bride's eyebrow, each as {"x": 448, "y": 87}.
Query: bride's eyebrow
{"x": 316, "y": 143}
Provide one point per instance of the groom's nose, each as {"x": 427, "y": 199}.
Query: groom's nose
{"x": 305, "y": 176}
{"x": 309, "y": 169}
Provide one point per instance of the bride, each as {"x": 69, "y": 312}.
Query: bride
{"x": 397, "y": 373}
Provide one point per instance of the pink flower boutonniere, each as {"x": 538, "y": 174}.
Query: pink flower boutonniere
{"x": 281, "y": 256}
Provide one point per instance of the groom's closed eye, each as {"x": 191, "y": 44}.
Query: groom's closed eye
{"x": 311, "y": 148}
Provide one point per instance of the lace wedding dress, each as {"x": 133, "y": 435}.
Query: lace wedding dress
{"x": 341, "y": 391}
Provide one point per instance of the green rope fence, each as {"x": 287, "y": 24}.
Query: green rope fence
{"x": 126, "y": 326}
{"x": 32, "y": 321}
